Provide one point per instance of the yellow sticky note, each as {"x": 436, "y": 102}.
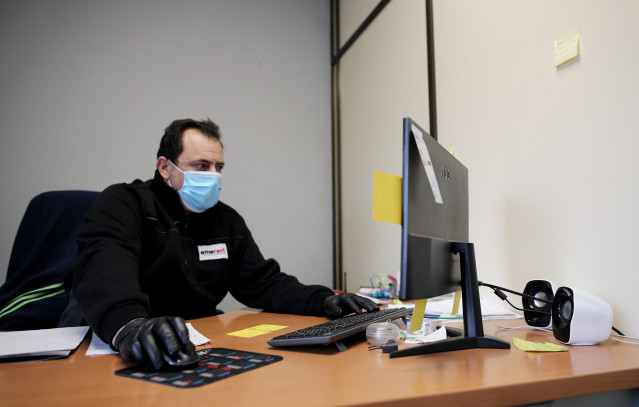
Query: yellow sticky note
{"x": 567, "y": 47}
{"x": 387, "y": 198}
{"x": 528, "y": 346}
{"x": 456, "y": 301}
{"x": 452, "y": 149}
{"x": 256, "y": 330}
{"x": 418, "y": 315}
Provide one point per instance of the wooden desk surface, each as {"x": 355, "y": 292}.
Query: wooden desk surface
{"x": 326, "y": 377}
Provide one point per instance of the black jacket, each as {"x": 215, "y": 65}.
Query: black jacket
{"x": 141, "y": 256}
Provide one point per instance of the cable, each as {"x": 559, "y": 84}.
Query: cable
{"x": 387, "y": 347}
{"x": 627, "y": 337}
{"x": 497, "y": 288}
{"x": 613, "y": 337}
{"x": 499, "y": 293}
{"x": 525, "y": 310}
{"x": 505, "y": 328}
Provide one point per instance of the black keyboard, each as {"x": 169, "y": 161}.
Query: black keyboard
{"x": 334, "y": 331}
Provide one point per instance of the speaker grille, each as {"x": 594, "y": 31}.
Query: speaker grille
{"x": 538, "y": 313}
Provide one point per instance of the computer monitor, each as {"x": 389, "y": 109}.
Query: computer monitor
{"x": 436, "y": 255}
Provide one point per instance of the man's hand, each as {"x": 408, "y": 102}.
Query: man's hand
{"x": 344, "y": 304}
{"x": 144, "y": 340}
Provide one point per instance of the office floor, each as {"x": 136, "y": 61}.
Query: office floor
{"x": 613, "y": 398}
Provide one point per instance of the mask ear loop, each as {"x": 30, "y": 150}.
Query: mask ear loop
{"x": 168, "y": 181}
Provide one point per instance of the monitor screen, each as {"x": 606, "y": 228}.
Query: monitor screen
{"x": 437, "y": 257}
{"x": 434, "y": 215}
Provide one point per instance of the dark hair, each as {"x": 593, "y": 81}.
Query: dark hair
{"x": 171, "y": 144}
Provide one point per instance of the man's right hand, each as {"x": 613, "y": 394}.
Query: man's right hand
{"x": 144, "y": 340}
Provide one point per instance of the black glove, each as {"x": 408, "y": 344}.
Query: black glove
{"x": 347, "y": 303}
{"x": 144, "y": 340}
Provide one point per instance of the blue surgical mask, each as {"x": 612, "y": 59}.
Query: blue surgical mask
{"x": 200, "y": 190}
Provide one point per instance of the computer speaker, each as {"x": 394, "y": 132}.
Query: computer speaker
{"x": 580, "y": 318}
{"x": 538, "y": 311}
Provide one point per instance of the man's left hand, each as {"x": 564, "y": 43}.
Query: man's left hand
{"x": 343, "y": 304}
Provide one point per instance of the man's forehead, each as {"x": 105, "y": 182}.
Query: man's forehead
{"x": 198, "y": 145}
{"x": 199, "y": 157}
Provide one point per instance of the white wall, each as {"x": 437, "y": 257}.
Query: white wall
{"x": 383, "y": 78}
{"x": 551, "y": 152}
{"x": 88, "y": 88}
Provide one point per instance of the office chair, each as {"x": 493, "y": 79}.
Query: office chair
{"x": 38, "y": 283}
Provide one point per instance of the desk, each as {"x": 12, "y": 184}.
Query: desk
{"x": 325, "y": 377}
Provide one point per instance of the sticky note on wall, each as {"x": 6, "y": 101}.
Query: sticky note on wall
{"x": 387, "y": 198}
{"x": 567, "y": 47}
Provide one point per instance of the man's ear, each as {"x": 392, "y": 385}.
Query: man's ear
{"x": 163, "y": 165}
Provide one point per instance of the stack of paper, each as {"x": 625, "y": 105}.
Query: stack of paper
{"x": 97, "y": 347}
{"x": 40, "y": 344}
{"x": 441, "y": 308}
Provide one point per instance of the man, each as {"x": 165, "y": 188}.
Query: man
{"x": 167, "y": 246}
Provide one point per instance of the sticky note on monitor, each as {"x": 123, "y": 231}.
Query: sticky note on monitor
{"x": 418, "y": 315}
{"x": 456, "y": 302}
{"x": 387, "y": 198}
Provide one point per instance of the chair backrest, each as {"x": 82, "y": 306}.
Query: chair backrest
{"x": 36, "y": 290}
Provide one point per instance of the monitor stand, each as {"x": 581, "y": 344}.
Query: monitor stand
{"x": 473, "y": 335}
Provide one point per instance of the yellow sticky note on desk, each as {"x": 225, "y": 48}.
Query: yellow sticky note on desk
{"x": 256, "y": 330}
{"x": 528, "y": 346}
{"x": 387, "y": 197}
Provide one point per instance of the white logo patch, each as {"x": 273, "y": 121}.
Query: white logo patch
{"x": 213, "y": 252}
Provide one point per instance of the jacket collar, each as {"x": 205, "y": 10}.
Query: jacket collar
{"x": 168, "y": 197}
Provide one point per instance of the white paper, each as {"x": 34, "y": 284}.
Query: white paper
{"x": 98, "y": 347}
{"x": 443, "y": 308}
{"x": 196, "y": 337}
{"x": 428, "y": 164}
{"x": 438, "y": 335}
{"x": 54, "y": 341}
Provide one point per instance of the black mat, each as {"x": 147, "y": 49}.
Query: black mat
{"x": 216, "y": 364}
